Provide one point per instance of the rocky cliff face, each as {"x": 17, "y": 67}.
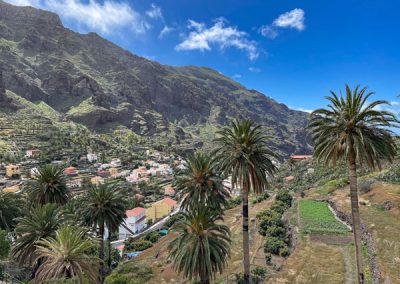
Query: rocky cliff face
{"x": 92, "y": 81}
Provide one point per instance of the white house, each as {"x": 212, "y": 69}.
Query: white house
{"x": 136, "y": 222}
{"x": 115, "y": 163}
{"x": 32, "y": 153}
{"x": 91, "y": 157}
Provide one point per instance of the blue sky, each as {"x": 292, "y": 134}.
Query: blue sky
{"x": 293, "y": 51}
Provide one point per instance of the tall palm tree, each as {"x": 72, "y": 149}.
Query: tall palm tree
{"x": 10, "y": 208}
{"x": 104, "y": 207}
{"x": 67, "y": 255}
{"x": 242, "y": 152}
{"x": 202, "y": 247}
{"x": 354, "y": 130}
{"x": 41, "y": 222}
{"x": 48, "y": 186}
{"x": 199, "y": 183}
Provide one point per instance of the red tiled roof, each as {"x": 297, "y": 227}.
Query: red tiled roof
{"x": 135, "y": 211}
{"x": 301, "y": 156}
{"x": 169, "y": 201}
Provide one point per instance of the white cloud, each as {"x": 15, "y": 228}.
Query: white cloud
{"x": 237, "y": 76}
{"x": 103, "y": 17}
{"x": 166, "y": 30}
{"x": 292, "y": 19}
{"x": 254, "y": 69}
{"x": 268, "y": 31}
{"x": 154, "y": 12}
{"x": 220, "y": 35}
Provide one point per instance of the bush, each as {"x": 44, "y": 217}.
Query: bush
{"x": 276, "y": 231}
{"x": 365, "y": 186}
{"x": 258, "y": 274}
{"x": 273, "y": 245}
{"x": 284, "y": 251}
{"x": 270, "y": 219}
{"x": 233, "y": 202}
{"x": 285, "y": 197}
{"x": 138, "y": 245}
{"x": 279, "y": 207}
{"x": 130, "y": 272}
{"x": 152, "y": 236}
{"x": 268, "y": 258}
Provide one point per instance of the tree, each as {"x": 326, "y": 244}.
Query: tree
{"x": 242, "y": 152}
{"x": 202, "y": 247}
{"x": 356, "y": 131}
{"x": 199, "y": 183}
{"x": 41, "y": 222}
{"x": 104, "y": 207}
{"x": 10, "y": 208}
{"x": 48, "y": 186}
{"x": 67, "y": 255}
{"x": 4, "y": 244}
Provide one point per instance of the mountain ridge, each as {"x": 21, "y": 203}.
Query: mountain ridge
{"x": 92, "y": 81}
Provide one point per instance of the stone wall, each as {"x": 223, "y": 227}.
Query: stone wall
{"x": 366, "y": 238}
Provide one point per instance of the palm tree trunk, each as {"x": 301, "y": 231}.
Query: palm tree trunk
{"x": 101, "y": 250}
{"x": 109, "y": 250}
{"x": 246, "y": 249}
{"x": 355, "y": 212}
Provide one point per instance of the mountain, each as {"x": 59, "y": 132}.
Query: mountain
{"x": 91, "y": 81}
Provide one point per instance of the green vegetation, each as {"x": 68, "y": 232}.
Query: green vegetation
{"x": 317, "y": 218}
{"x": 129, "y": 273}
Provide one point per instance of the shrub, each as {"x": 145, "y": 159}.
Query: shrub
{"x": 279, "y": 207}
{"x": 271, "y": 219}
{"x": 258, "y": 274}
{"x": 365, "y": 186}
{"x": 130, "y": 272}
{"x": 284, "y": 251}
{"x": 152, "y": 236}
{"x": 268, "y": 257}
{"x": 273, "y": 245}
{"x": 276, "y": 231}
{"x": 138, "y": 245}
{"x": 285, "y": 197}
{"x": 233, "y": 202}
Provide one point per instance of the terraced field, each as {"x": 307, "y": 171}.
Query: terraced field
{"x": 317, "y": 218}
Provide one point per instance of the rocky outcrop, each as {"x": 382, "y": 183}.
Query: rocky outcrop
{"x": 367, "y": 238}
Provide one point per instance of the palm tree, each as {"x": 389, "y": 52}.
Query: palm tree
{"x": 199, "y": 183}
{"x": 10, "y": 208}
{"x": 41, "y": 222}
{"x": 202, "y": 247}
{"x": 104, "y": 207}
{"x": 48, "y": 186}
{"x": 354, "y": 130}
{"x": 242, "y": 152}
{"x": 67, "y": 255}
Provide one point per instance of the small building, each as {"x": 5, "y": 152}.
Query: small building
{"x": 301, "y": 157}
{"x": 161, "y": 208}
{"x": 113, "y": 171}
{"x": 32, "y": 153}
{"x": 135, "y": 221}
{"x": 91, "y": 157}
{"x": 71, "y": 171}
{"x": 97, "y": 180}
{"x": 115, "y": 163}
{"x": 169, "y": 190}
{"x": 310, "y": 171}
{"x": 13, "y": 170}
{"x": 34, "y": 172}
{"x": 103, "y": 173}
{"x": 12, "y": 189}
{"x": 74, "y": 183}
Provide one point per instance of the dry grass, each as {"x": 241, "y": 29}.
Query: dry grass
{"x": 384, "y": 225}
{"x": 313, "y": 263}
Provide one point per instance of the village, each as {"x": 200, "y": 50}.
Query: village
{"x": 148, "y": 183}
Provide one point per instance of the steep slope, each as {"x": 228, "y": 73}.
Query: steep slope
{"x": 92, "y": 81}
